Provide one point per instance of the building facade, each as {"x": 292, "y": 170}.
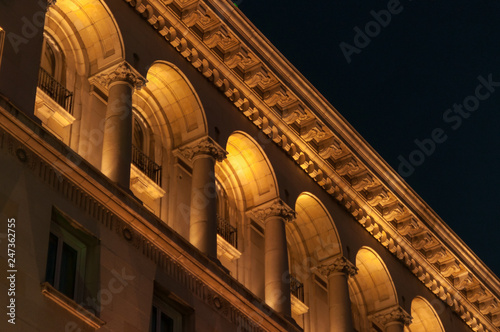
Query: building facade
{"x": 164, "y": 168}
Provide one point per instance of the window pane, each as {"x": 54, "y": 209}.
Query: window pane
{"x": 50, "y": 271}
{"x": 68, "y": 271}
{"x": 167, "y": 323}
{"x": 49, "y": 60}
{"x": 153, "y": 320}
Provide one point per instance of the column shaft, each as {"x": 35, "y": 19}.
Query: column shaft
{"x": 116, "y": 146}
{"x": 339, "y": 303}
{"x": 203, "y": 222}
{"x": 277, "y": 286}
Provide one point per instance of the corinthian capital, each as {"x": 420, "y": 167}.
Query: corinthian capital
{"x": 122, "y": 72}
{"x": 339, "y": 265}
{"x": 204, "y": 147}
{"x": 392, "y": 315}
{"x": 275, "y": 208}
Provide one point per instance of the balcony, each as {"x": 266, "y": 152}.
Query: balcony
{"x": 297, "y": 298}
{"x": 53, "y": 101}
{"x": 227, "y": 239}
{"x": 151, "y": 169}
{"x": 145, "y": 175}
{"x": 55, "y": 90}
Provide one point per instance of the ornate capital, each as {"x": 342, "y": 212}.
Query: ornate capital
{"x": 339, "y": 265}
{"x": 204, "y": 147}
{"x": 275, "y": 208}
{"x": 393, "y": 315}
{"x": 122, "y": 72}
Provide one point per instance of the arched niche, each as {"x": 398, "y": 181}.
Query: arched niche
{"x": 248, "y": 179}
{"x": 88, "y": 28}
{"x": 177, "y": 106}
{"x": 371, "y": 290}
{"x": 424, "y": 317}
{"x": 247, "y": 170}
{"x": 312, "y": 236}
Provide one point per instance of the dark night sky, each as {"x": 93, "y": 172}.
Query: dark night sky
{"x": 399, "y": 87}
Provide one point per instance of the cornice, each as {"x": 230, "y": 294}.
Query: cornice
{"x": 220, "y": 42}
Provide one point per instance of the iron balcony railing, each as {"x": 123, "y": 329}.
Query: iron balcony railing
{"x": 55, "y": 90}
{"x": 151, "y": 169}
{"x": 227, "y": 231}
{"x": 297, "y": 288}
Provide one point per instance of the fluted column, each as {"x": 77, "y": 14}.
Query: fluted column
{"x": 117, "y": 140}
{"x": 393, "y": 320}
{"x": 203, "y": 221}
{"x": 338, "y": 273}
{"x": 277, "y": 281}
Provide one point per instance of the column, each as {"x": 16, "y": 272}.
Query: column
{"x": 277, "y": 280}
{"x": 393, "y": 320}
{"x": 117, "y": 139}
{"x": 203, "y": 222}
{"x": 339, "y": 303}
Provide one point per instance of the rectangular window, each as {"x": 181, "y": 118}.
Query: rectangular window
{"x": 169, "y": 315}
{"x": 71, "y": 259}
{"x": 2, "y": 38}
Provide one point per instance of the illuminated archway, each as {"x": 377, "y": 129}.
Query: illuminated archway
{"x": 88, "y": 28}
{"x": 313, "y": 236}
{"x": 247, "y": 170}
{"x": 177, "y": 107}
{"x": 425, "y": 318}
{"x": 372, "y": 289}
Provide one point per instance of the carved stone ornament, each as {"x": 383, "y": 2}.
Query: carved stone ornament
{"x": 340, "y": 264}
{"x": 395, "y": 315}
{"x": 122, "y": 73}
{"x": 276, "y": 208}
{"x": 204, "y": 147}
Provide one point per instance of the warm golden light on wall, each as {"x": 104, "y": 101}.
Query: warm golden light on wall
{"x": 425, "y": 318}
{"x": 250, "y": 165}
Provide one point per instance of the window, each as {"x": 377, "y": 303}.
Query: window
{"x": 2, "y": 37}
{"x": 143, "y": 149}
{"x": 52, "y": 74}
{"x": 72, "y": 258}
{"x": 169, "y": 315}
{"x": 224, "y": 227}
{"x": 53, "y": 61}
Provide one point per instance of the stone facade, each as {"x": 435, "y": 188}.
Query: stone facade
{"x": 166, "y": 168}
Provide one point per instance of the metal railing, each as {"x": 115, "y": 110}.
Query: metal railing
{"x": 151, "y": 169}
{"x": 55, "y": 90}
{"x": 227, "y": 231}
{"x": 296, "y": 288}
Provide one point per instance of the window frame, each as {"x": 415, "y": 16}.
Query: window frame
{"x": 86, "y": 245}
{"x": 166, "y": 302}
{"x": 2, "y": 39}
